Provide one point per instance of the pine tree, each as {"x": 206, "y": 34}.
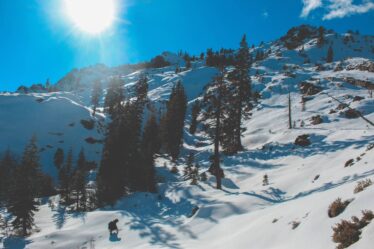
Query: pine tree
{"x": 240, "y": 99}
{"x": 265, "y": 181}
{"x": 97, "y": 91}
{"x": 195, "y": 113}
{"x": 22, "y": 204}
{"x": 189, "y": 164}
{"x": 114, "y": 96}
{"x": 7, "y": 168}
{"x": 58, "y": 159}
{"x": 330, "y": 55}
{"x": 149, "y": 147}
{"x": 30, "y": 164}
{"x": 79, "y": 182}
{"x": 172, "y": 122}
{"x": 289, "y": 111}
{"x": 25, "y": 188}
{"x": 214, "y": 111}
{"x": 321, "y": 38}
{"x": 65, "y": 178}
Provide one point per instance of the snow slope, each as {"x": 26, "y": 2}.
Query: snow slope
{"x": 245, "y": 214}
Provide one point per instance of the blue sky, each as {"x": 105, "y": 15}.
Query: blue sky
{"x": 38, "y": 42}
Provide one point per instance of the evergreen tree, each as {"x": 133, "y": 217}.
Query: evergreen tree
{"x": 172, "y": 122}
{"x": 215, "y": 101}
{"x": 289, "y": 111}
{"x": 79, "y": 182}
{"x": 195, "y": 113}
{"x": 58, "y": 159}
{"x": 265, "y": 181}
{"x": 240, "y": 101}
{"x": 189, "y": 164}
{"x": 114, "y": 96}
{"x": 330, "y": 55}
{"x": 30, "y": 164}
{"x": 65, "y": 178}
{"x": 7, "y": 168}
{"x": 149, "y": 147}
{"x": 22, "y": 204}
{"x": 97, "y": 91}
{"x": 321, "y": 38}
{"x": 25, "y": 188}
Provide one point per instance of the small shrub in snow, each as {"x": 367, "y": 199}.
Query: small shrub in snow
{"x": 361, "y": 185}
{"x": 303, "y": 140}
{"x": 349, "y": 163}
{"x": 203, "y": 177}
{"x": 265, "y": 181}
{"x": 337, "y": 207}
{"x": 347, "y": 232}
{"x": 295, "y": 224}
{"x": 174, "y": 170}
{"x": 88, "y": 124}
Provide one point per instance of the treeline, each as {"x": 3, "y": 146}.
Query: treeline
{"x": 23, "y": 182}
{"x": 132, "y": 141}
{"x": 136, "y": 133}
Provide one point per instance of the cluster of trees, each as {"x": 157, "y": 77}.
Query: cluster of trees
{"x": 131, "y": 142}
{"x": 72, "y": 181}
{"x": 21, "y": 183}
{"x": 224, "y": 57}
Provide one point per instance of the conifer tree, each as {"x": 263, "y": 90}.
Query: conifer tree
{"x": 289, "y": 111}
{"x": 79, "y": 182}
{"x": 65, "y": 178}
{"x": 7, "y": 167}
{"x": 149, "y": 147}
{"x": 22, "y": 204}
{"x": 172, "y": 123}
{"x": 97, "y": 91}
{"x": 114, "y": 96}
{"x": 110, "y": 182}
{"x": 321, "y": 38}
{"x": 330, "y": 55}
{"x": 31, "y": 166}
{"x": 25, "y": 188}
{"x": 195, "y": 113}
{"x": 58, "y": 159}
{"x": 214, "y": 103}
{"x": 240, "y": 101}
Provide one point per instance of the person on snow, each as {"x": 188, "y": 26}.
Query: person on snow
{"x": 112, "y": 226}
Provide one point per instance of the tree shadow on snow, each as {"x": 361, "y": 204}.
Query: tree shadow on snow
{"x": 273, "y": 151}
{"x": 59, "y": 216}
{"x": 15, "y": 243}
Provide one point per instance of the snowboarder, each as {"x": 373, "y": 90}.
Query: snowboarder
{"x": 112, "y": 226}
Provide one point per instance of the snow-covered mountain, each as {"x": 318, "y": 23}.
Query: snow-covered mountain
{"x": 290, "y": 212}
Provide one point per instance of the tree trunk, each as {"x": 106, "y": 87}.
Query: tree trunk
{"x": 289, "y": 111}
{"x": 217, "y": 168}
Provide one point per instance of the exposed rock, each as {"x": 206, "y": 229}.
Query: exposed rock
{"x": 351, "y": 113}
{"x": 316, "y": 120}
{"x": 88, "y": 124}
{"x": 358, "y": 98}
{"x": 309, "y": 89}
{"x": 303, "y": 140}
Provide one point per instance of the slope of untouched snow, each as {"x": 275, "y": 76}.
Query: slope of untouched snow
{"x": 245, "y": 214}
{"x": 55, "y": 119}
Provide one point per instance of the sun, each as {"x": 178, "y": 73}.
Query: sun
{"x": 91, "y": 16}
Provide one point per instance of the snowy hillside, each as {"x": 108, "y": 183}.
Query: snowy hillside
{"x": 290, "y": 212}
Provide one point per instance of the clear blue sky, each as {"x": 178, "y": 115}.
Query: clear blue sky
{"x": 36, "y": 42}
